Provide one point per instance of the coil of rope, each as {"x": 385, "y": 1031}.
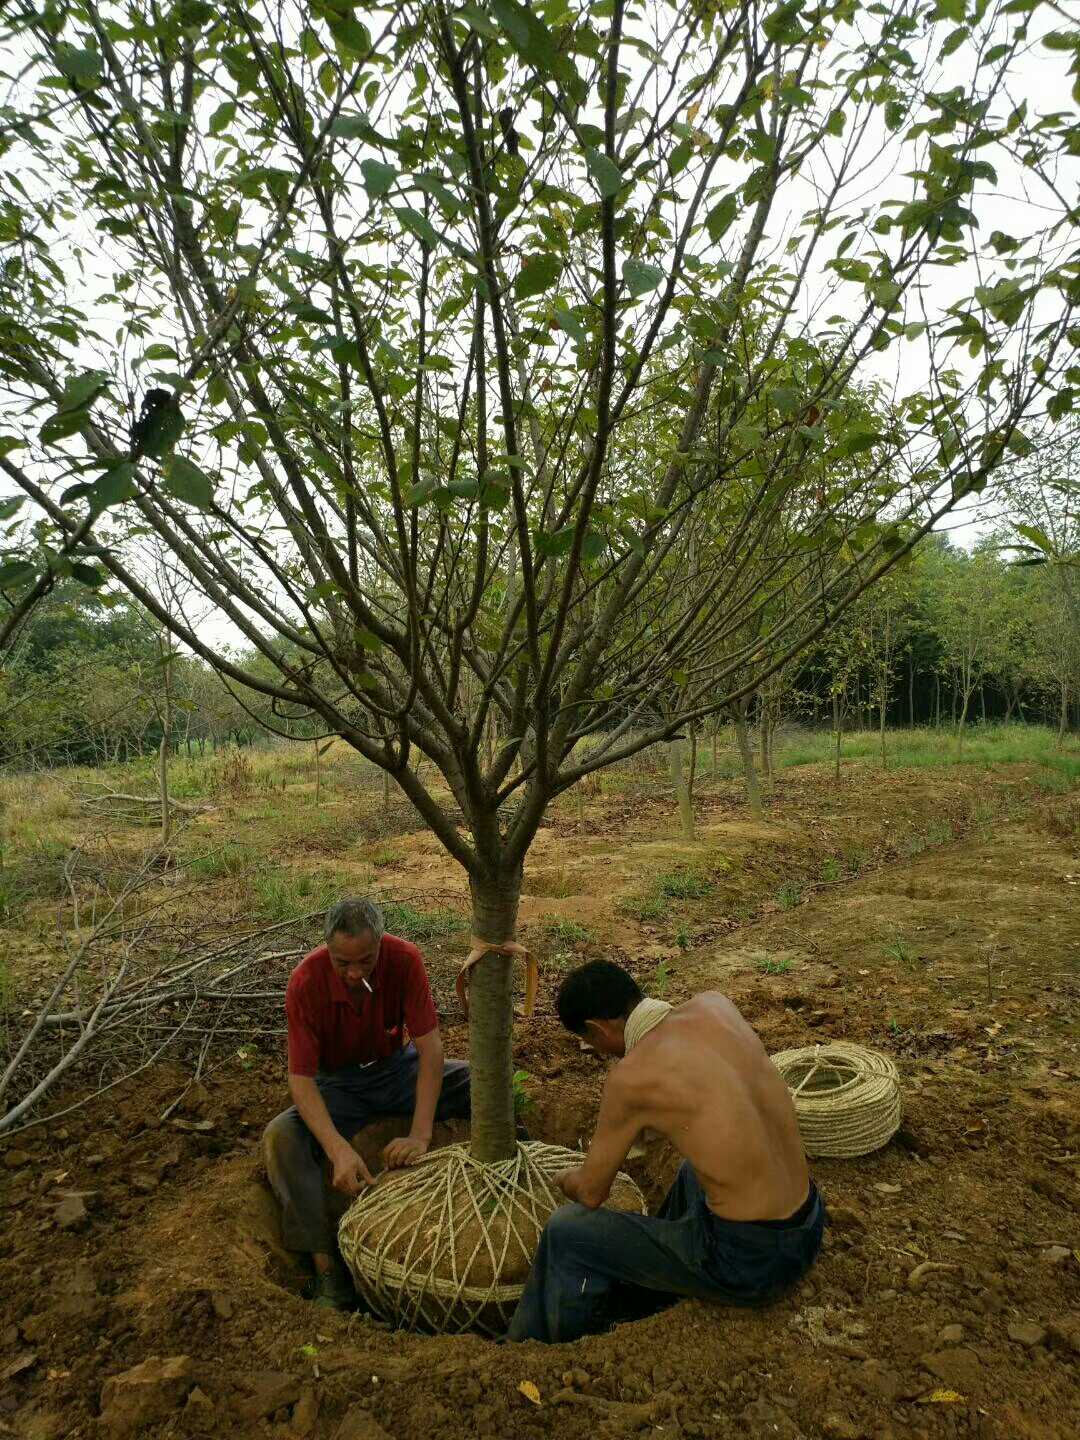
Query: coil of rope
{"x": 847, "y": 1098}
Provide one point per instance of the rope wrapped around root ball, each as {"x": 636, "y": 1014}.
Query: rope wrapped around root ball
{"x": 446, "y": 1244}
{"x": 847, "y": 1098}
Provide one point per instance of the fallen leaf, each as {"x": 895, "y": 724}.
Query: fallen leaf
{"x": 17, "y": 1366}
{"x": 944, "y": 1397}
{"x": 59, "y": 1374}
{"x": 691, "y": 116}
{"x": 529, "y": 1390}
{"x": 198, "y": 1126}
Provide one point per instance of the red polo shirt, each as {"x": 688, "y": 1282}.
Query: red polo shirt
{"x": 327, "y": 1030}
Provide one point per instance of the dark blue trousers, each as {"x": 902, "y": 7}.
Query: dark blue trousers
{"x": 597, "y": 1267}
{"x": 354, "y": 1097}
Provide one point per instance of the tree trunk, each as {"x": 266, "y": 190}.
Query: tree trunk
{"x": 491, "y": 1019}
{"x": 763, "y": 741}
{"x": 937, "y": 702}
{"x": 836, "y": 731}
{"x": 163, "y": 775}
{"x": 961, "y": 723}
{"x": 385, "y": 788}
{"x": 686, "y": 797}
{"x": 318, "y": 777}
{"x": 911, "y": 693}
{"x": 882, "y": 708}
{"x": 715, "y": 736}
{"x": 982, "y": 702}
{"x": 679, "y": 785}
{"x": 1063, "y": 715}
{"x": 746, "y": 755}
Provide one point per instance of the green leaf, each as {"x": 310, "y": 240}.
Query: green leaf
{"x": 87, "y": 575}
{"x": 481, "y": 23}
{"x": 82, "y": 66}
{"x": 858, "y": 441}
{"x": 1019, "y": 444}
{"x": 537, "y": 274}
{"x": 417, "y": 223}
{"x": 721, "y": 217}
{"x": 569, "y": 322}
{"x": 222, "y": 117}
{"x": 186, "y": 482}
{"x": 786, "y": 398}
{"x": 552, "y": 543}
{"x": 11, "y": 506}
{"x": 420, "y": 494}
{"x": 782, "y": 24}
{"x": 351, "y": 127}
{"x": 378, "y": 178}
{"x": 83, "y": 388}
{"x": 949, "y": 10}
{"x": 680, "y": 157}
{"x": 350, "y": 35}
{"x": 606, "y": 175}
{"x": 114, "y": 487}
{"x": 527, "y": 33}
{"x": 641, "y": 277}
{"x": 8, "y": 443}
{"x": 14, "y": 573}
{"x": 1037, "y": 537}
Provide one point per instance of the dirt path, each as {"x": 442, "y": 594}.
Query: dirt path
{"x": 963, "y": 962}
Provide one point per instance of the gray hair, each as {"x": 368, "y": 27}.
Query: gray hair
{"x": 355, "y": 917}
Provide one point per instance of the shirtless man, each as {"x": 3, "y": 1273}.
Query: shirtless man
{"x": 742, "y": 1222}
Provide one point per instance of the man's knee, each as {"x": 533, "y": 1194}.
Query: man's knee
{"x": 570, "y": 1227}
{"x": 285, "y": 1140}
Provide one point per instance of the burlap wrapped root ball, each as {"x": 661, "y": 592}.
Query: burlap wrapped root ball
{"x": 446, "y": 1245}
{"x": 847, "y": 1098}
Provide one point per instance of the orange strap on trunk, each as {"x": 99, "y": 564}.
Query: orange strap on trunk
{"x": 480, "y": 948}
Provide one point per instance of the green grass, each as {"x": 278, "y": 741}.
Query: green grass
{"x": 788, "y": 896}
{"x": 831, "y": 871}
{"x": 280, "y": 895}
{"x": 684, "y": 884}
{"x": 768, "y": 966}
{"x": 897, "y": 949}
{"x": 420, "y": 925}
{"x": 567, "y": 932}
{"x": 231, "y": 859}
{"x": 523, "y": 1101}
{"x": 652, "y": 908}
{"x": 925, "y": 748}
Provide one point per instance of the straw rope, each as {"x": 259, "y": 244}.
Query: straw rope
{"x": 847, "y": 1098}
{"x": 446, "y": 1245}
{"x": 514, "y": 951}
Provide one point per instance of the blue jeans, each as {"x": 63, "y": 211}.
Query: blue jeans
{"x": 354, "y": 1097}
{"x": 596, "y": 1267}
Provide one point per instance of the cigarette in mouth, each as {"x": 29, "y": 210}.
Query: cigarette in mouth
{"x": 366, "y": 986}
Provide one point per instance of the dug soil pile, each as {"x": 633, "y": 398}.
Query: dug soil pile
{"x": 145, "y": 1290}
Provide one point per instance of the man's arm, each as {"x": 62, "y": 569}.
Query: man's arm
{"x": 429, "y": 1078}
{"x": 349, "y": 1171}
{"x": 617, "y": 1127}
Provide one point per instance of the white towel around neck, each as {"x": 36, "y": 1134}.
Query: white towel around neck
{"x": 644, "y": 1017}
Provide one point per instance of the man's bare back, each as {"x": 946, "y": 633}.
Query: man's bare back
{"x": 702, "y": 1079}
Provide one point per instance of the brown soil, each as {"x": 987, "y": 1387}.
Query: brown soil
{"x": 962, "y": 961}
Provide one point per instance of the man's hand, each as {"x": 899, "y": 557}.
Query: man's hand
{"x": 350, "y": 1174}
{"x": 405, "y": 1151}
{"x": 569, "y": 1182}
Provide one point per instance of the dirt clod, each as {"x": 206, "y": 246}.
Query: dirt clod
{"x": 146, "y": 1394}
{"x": 836, "y": 1427}
{"x": 358, "y": 1423}
{"x": 1026, "y": 1333}
{"x": 950, "y": 1335}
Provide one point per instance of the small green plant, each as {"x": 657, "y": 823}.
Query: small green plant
{"x": 830, "y": 871}
{"x": 523, "y": 1101}
{"x": 898, "y": 949}
{"x": 567, "y": 932}
{"x": 661, "y": 978}
{"x": 682, "y": 935}
{"x": 282, "y": 896}
{"x": 684, "y": 884}
{"x": 768, "y": 966}
{"x": 939, "y": 833}
{"x": 788, "y": 896}
{"x": 387, "y": 855}
{"x": 894, "y": 1027}
{"x": 247, "y": 1055}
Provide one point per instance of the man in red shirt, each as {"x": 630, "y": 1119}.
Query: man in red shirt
{"x": 363, "y": 1042}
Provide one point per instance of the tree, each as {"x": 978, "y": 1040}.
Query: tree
{"x": 445, "y": 328}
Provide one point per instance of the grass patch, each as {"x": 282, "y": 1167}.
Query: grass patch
{"x": 684, "y": 884}
{"x": 417, "y": 925}
{"x": 767, "y": 966}
{"x": 567, "y": 932}
{"x": 230, "y": 859}
{"x": 281, "y": 895}
{"x": 831, "y": 871}
{"x": 386, "y": 855}
{"x": 788, "y": 896}
{"x": 926, "y": 748}
{"x": 644, "y": 907}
